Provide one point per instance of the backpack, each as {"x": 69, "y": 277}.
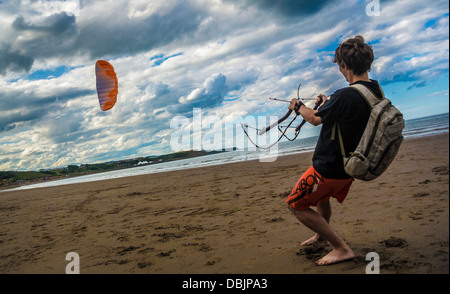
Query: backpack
{"x": 380, "y": 141}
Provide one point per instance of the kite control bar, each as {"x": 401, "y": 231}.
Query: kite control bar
{"x": 263, "y": 131}
{"x": 288, "y": 101}
{"x": 283, "y": 133}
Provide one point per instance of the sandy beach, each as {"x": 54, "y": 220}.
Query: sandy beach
{"x": 231, "y": 219}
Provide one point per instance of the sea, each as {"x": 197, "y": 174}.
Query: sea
{"x": 419, "y": 127}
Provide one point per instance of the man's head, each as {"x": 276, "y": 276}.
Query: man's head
{"x": 354, "y": 55}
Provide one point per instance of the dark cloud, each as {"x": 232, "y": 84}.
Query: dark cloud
{"x": 14, "y": 99}
{"x": 55, "y": 24}
{"x": 99, "y": 36}
{"x": 9, "y": 121}
{"x": 20, "y": 108}
{"x": 289, "y": 8}
{"x": 110, "y": 34}
{"x": 15, "y": 61}
{"x": 53, "y": 36}
{"x": 59, "y": 35}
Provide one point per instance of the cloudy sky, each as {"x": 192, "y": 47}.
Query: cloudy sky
{"x": 171, "y": 56}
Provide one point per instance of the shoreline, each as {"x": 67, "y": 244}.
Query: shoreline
{"x": 230, "y": 219}
{"x": 118, "y": 167}
{"x": 19, "y": 187}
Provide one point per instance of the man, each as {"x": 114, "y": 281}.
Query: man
{"x": 326, "y": 177}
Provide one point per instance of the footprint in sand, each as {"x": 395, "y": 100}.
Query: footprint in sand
{"x": 214, "y": 261}
{"x": 165, "y": 254}
{"x": 312, "y": 252}
{"x": 124, "y": 250}
{"x": 144, "y": 264}
{"x": 440, "y": 170}
{"x": 394, "y": 242}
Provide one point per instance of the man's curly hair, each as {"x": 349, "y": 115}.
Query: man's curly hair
{"x": 357, "y": 55}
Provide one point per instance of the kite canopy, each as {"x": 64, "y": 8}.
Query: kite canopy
{"x": 107, "y": 84}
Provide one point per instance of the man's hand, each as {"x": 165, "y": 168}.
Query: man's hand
{"x": 321, "y": 99}
{"x": 307, "y": 113}
{"x": 295, "y": 105}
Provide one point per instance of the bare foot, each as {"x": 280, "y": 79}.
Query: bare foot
{"x": 315, "y": 240}
{"x": 336, "y": 256}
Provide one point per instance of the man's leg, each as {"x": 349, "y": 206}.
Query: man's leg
{"x": 324, "y": 210}
{"x": 319, "y": 224}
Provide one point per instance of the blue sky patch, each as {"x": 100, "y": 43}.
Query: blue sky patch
{"x": 432, "y": 22}
{"x": 331, "y": 47}
{"x": 160, "y": 59}
{"x": 49, "y": 73}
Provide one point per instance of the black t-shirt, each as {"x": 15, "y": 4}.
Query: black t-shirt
{"x": 351, "y": 111}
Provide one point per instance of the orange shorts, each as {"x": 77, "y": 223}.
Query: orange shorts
{"x": 312, "y": 188}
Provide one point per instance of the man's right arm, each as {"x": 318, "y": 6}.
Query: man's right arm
{"x": 307, "y": 113}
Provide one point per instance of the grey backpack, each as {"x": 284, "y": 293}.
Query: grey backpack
{"x": 380, "y": 141}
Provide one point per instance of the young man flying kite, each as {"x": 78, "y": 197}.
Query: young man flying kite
{"x": 326, "y": 178}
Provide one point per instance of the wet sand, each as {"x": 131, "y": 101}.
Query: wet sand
{"x": 231, "y": 219}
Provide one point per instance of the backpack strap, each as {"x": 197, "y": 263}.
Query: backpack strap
{"x": 371, "y": 100}
{"x": 333, "y": 136}
{"x": 368, "y": 95}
